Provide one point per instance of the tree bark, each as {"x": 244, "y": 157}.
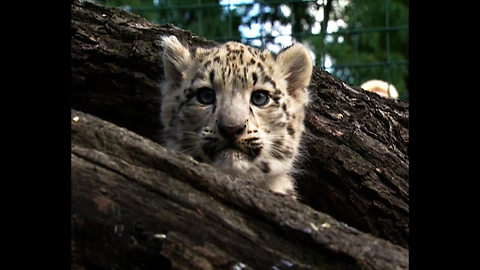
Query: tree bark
{"x": 138, "y": 205}
{"x": 135, "y": 204}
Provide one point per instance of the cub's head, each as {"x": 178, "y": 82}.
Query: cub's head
{"x": 236, "y": 107}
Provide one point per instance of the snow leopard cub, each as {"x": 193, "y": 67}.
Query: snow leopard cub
{"x": 238, "y": 108}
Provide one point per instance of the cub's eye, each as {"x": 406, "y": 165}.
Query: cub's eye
{"x": 260, "y": 98}
{"x": 205, "y": 95}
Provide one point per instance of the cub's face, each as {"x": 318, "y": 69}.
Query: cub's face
{"x": 235, "y": 107}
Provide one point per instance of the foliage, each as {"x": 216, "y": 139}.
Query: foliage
{"x": 204, "y": 17}
{"x": 356, "y": 57}
{"x": 280, "y": 14}
{"x": 366, "y": 48}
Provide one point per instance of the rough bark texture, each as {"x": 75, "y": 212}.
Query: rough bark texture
{"x": 128, "y": 192}
{"x": 138, "y": 205}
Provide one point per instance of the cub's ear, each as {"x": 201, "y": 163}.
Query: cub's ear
{"x": 176, "y": 58}
{"x": 297, "y": 66}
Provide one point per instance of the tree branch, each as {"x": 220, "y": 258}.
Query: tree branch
{"x": 133, "y": 199}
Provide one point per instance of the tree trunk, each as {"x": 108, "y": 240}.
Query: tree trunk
{"x": 135, "y": 204}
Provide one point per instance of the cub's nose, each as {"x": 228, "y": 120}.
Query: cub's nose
{"x": 231, "y": 133}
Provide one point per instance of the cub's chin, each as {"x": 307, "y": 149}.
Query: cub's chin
{"x": 231, "y": 160}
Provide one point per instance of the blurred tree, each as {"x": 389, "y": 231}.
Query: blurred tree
{"x": 279, "y": 15}
{"x": 345, "y": 47}
{"x": 203, "y": 17}
{"x": 350, "y": 53}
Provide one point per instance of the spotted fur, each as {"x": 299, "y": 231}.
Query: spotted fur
{"x": 235, "y": 132}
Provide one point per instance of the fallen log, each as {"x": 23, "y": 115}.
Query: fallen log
{"x": 138, "y": 205}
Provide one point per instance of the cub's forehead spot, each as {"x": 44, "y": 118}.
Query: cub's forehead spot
{"x": 232, "y": 51}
